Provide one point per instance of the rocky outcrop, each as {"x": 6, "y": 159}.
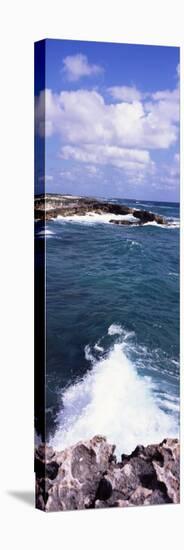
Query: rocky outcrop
{"x": 87, "y": 475}
{"x": 50, "y": 206}
{"x": 144, "y": 217}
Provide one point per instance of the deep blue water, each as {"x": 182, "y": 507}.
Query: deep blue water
{"x": 112, "y": 309}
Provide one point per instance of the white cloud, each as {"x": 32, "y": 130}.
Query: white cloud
{"x": 125, "y": 93}
{"x": 165, "y": 106}
{"x": 121, "y": 133}
{"x": 82, "y": 116}
{"x": 77, "y": 66}
{"x": 93, "y": 170}
{"x": 128, "y": 159}
{"x": 167, "y": 174}
{"x": 174, "y": 169}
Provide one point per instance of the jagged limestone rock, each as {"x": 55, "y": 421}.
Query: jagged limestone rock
{"x": 87, "y": 475}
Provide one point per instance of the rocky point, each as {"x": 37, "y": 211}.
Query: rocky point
{"x": 50, "y": 206}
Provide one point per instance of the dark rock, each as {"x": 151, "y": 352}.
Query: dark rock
{"x": 44, "y": 452}
{"x": 144, "y": 216}
{"x": 51, "y": 470}
{"x": 39, "y": 468}
{"x": 43, "y": 469}
{"x": 104, "y": 490}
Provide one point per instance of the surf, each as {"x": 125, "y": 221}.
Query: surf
{"x": 113, "y": 400}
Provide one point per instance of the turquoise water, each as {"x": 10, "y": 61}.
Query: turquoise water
{"x": 112, "y": 329}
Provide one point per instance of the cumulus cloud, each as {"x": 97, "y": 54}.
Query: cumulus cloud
{"x": 82, "y": 116}
{"x": 125, "y": 93}
{"x": 165, "y": 106}
{"x": 121, "y": 133}
{"x": 77, "y": 66}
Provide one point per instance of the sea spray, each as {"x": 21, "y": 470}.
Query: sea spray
{"x": 113, "y": 400}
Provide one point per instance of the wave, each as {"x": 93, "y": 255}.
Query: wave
{"x": 173, "y": 224}
{"x": 92, "y": 217}
{"x": 145, "y": 204}
{"x": 114, "y": 400}
{"x": 45, "y": 233}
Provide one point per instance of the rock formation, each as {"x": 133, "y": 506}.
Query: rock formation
{"x": 87, "y": 475}
{"x": 50, "y": 206}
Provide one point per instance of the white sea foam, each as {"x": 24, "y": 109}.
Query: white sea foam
{"x": 166, "y": 207}
{"x": 175, "y": 362}
{"x": 173, "y": 224}
{"x": 152, "y": 223}
{"x": 45, "y": 232}
{"x": 113, "y": 400}
{"x": 169, "y": 402}
{"x": 88, "y": 354}
{"x": 98, "y": 348}
{"x": 135, "y": 243}
{"x": 92, "y": 217}
{"x": 115, "y": 329}
{"x": 145, "y": 204}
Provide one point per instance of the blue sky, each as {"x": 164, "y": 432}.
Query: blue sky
{"x": 112, "y": 120}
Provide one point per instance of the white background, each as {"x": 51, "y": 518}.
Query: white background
{"x": 157, "y": 22}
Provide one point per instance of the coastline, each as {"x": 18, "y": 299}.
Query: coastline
{"x": 48, "y": 207}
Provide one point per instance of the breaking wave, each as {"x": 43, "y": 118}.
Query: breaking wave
{"x": 115, "y": 400}
{"x": 45, "y": 233}
{"x": 93, "y": 218}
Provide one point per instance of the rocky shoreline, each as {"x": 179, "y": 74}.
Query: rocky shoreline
{"x": 50, "y": 206}
{"x": 88, "y": 475}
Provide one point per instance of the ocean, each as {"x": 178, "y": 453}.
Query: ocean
{"x": 112, "y": 312}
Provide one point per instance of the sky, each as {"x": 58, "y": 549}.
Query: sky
{"x": 111, "y": 125}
